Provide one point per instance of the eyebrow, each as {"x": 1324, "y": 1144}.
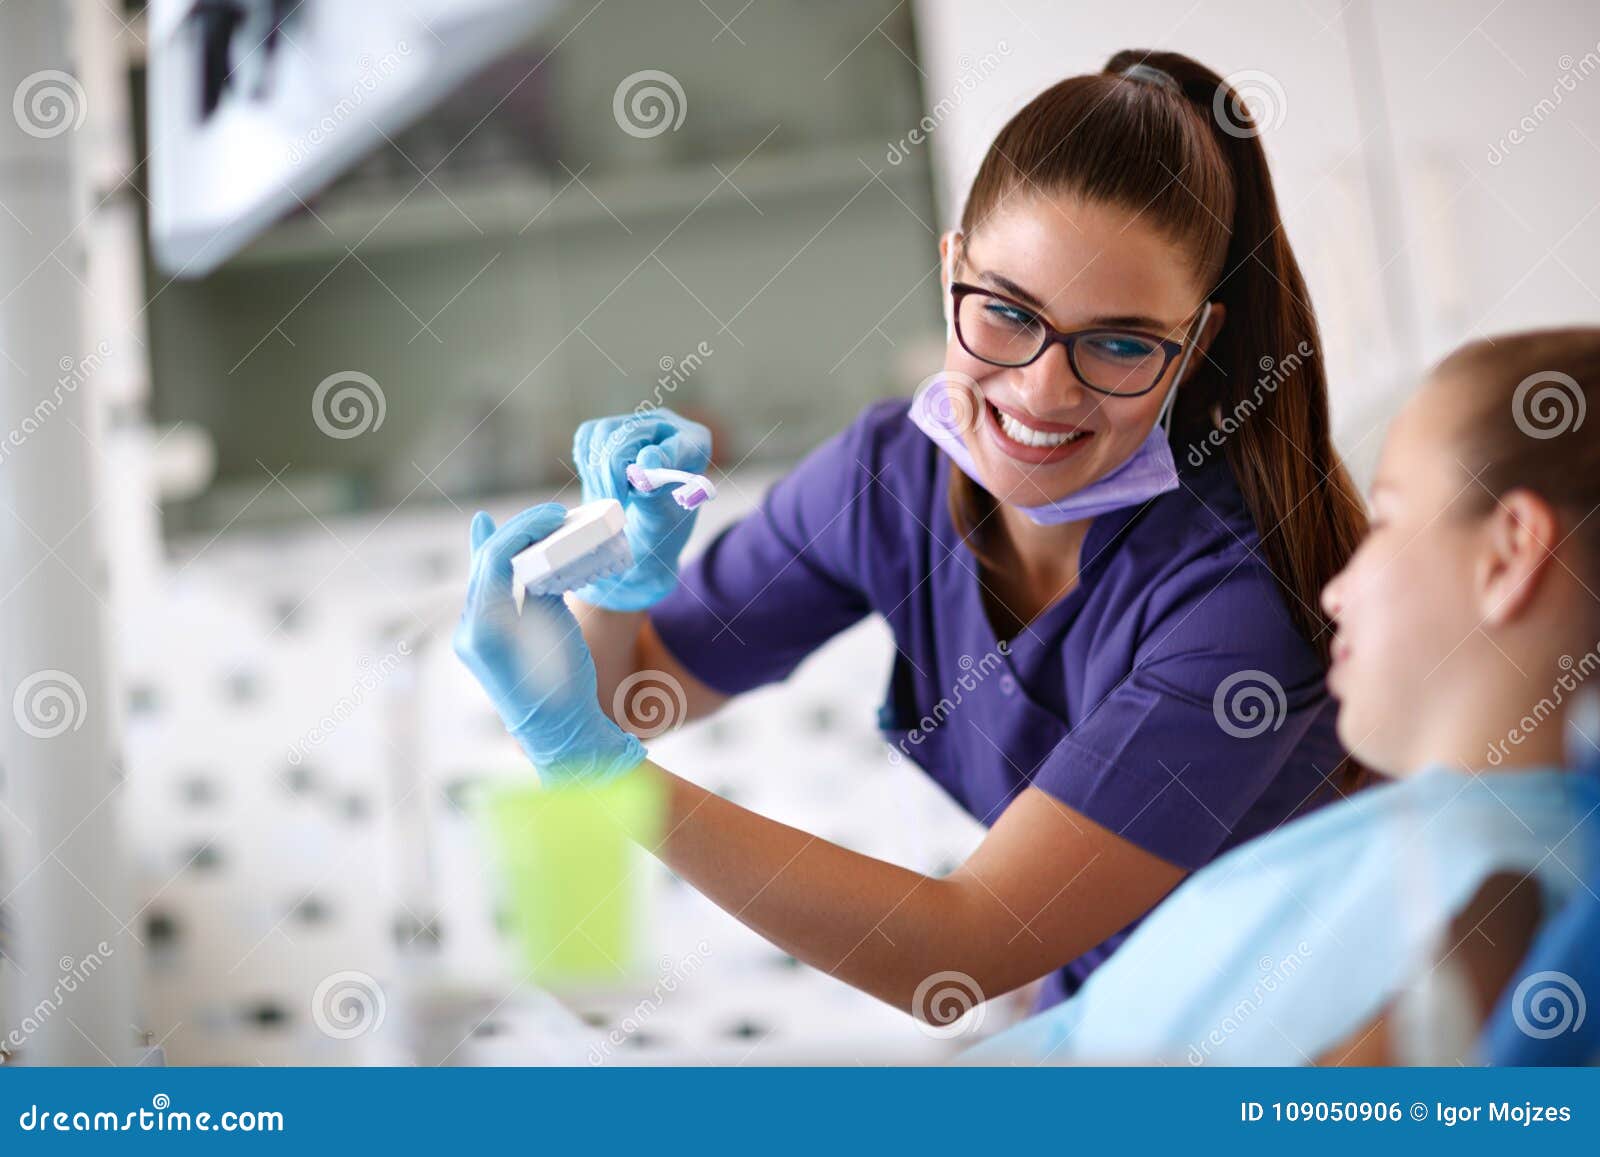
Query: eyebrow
{"x": 1132, "y": 320}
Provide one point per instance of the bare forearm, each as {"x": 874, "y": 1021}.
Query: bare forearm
{"x": 613, "y": 638}
{"x": 879, "y": 927}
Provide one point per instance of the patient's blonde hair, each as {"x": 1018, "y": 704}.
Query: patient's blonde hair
{"x": 1532, "y": 422}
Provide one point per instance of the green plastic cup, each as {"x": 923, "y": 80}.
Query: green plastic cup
{"x": 573, "y": 876}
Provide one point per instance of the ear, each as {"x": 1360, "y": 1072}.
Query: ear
{"x": 1520, "y": 542}
{"x": 949, "y": 250}
{"x": 1202, "y": 344}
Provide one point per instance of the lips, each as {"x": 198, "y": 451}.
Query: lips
{"x": 1032, "y": 440}
{"x": 1338, "y": 653}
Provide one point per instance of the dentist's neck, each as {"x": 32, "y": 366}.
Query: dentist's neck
{"x": 1046, "y": 556}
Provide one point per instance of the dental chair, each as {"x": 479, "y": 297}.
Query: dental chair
{"x": 1545, "y": 1017}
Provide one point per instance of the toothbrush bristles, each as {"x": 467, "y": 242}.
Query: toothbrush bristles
{"x": 638, "y": 479}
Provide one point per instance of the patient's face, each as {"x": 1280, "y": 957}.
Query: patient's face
{"x": 1404, "y": 609}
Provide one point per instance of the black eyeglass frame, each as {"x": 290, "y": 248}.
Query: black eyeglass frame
{"x": 1169, "y": 348}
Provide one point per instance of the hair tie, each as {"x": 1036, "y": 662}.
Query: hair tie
{"x": 1150, "y": 74}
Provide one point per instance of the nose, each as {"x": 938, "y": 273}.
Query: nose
{"x": 1333, "y": 596}
{"x": 1048, "y": 386}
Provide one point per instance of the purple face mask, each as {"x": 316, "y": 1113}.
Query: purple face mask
{"x": 949, "y": 405}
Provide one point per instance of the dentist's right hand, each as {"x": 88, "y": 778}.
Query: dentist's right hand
{"x": 535, "y": 666}
{"x": 657, "y": 527}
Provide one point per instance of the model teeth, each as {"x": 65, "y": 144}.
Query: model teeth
{"x": 1028, "y": 436}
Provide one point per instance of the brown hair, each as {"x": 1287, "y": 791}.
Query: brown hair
{"x": 1186, "y": 155}
{"x": 1529, "y": 395}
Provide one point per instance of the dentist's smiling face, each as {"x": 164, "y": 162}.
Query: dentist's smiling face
{"x": 1075, "y": 265}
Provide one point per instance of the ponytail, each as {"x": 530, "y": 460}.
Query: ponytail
{"x": 1307, "y": 511}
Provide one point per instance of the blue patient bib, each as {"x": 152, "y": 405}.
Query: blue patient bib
{"x": 1278, "y": 951}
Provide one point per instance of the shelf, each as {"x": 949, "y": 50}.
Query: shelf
{"x": 522, "y": 204}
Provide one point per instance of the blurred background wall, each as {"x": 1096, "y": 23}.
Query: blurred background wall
{"x": 300, "y": 743}
{"x": 518, "y": 254}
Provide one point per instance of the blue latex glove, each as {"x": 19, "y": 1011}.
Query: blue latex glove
{"x": 536, "y": 667}
{"x": 657, "y": 527}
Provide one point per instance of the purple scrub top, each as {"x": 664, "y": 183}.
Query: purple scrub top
{"x": 1105, "y": 700}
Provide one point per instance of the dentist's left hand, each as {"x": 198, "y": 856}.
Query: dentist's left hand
{"x": 657, "y": 527}
{"x": 536, "y": 667}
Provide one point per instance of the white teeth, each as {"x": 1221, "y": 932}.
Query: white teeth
{"x": 1028, "y": 436}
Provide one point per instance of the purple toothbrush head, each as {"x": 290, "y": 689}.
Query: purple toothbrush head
{"x": 689, "y": 497}
{"x": 639, "y": 478}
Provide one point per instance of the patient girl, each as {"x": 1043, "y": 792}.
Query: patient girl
{"x": 1470, "y": 607}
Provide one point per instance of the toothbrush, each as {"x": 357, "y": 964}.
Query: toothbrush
{"x": 693, "y": 489}
{"x": 590, "y": 543}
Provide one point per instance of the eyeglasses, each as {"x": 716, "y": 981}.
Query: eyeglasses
{"x": 995, "y": 329}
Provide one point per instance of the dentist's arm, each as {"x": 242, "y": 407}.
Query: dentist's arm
{"x": 624, "y": 643}
{"x": 1045, "y": 886}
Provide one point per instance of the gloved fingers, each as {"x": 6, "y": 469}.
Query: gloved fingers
{"x": 491, "y": 632}
{"x": 491, "y": 560}
{"x": 602, "y": 449}
{"x": 686, "y": 447}
{"x": 522, "y": 530}
{"x": 482, "y": 528}
{"x": 610, "y": 445}
{"x": 653, "y": 457}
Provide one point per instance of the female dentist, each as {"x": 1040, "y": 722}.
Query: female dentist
{"x": 1103, "y": 492}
